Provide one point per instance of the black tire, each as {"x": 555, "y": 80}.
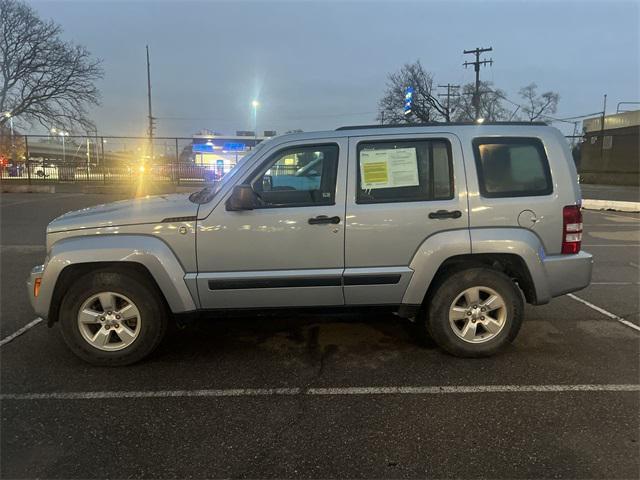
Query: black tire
{"x": 145, "y": 296}
{"x": 437, "y": 318}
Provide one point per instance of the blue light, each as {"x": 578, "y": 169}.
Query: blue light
{"x": 202, "y": 148}
{"x": 408, "y": 100}
{"x": 235, "y": 147}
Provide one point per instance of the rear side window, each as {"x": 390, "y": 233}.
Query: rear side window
{"x": 404, "y": 171}
{"x": 512, "y": 167}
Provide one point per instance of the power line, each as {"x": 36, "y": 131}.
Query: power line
{"x": 566, "y": 119}
{"x": 294, "y": 117}
{"x": 452, "y": 91}
{"x": 476, "y": 65}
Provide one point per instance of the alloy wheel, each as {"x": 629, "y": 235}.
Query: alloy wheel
{"x": 109, "y": 321}
{"x": 478, "y": 314}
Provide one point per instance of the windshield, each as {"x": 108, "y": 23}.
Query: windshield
{"x": 209, "y": 192}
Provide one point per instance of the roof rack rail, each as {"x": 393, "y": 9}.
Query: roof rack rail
{"x": 436, "y": 124}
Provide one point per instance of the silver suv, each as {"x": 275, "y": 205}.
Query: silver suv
{"x": 452, "y": 226}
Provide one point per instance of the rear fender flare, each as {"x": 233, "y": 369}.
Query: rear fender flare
{"x": 437, "y": 249}
{"x": 521, "y": 242}
{"x": 432, "y": 253}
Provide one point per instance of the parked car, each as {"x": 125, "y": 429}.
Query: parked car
{"x": 451, "y": 226}
{"x": 13, "y": 169}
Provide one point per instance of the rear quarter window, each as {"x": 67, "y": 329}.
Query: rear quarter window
{"x": 512, "y": 167}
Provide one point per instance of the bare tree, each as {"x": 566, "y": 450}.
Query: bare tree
{"x": 45, "y": 80}
{"x": 537, "y": 106}
{"x": 425, "y": 108}
{"x": 492, "y": 107}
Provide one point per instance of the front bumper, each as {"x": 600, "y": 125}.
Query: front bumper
{"x": 36, "y": 273}
{"x": 568, "y": 273}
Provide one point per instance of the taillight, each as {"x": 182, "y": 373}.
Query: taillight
{"x": 571, "y": 229}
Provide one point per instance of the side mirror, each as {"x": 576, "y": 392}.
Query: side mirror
{"x": 242, "y": 198}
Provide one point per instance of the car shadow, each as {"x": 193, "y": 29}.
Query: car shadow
{"x": 297, "y": 334}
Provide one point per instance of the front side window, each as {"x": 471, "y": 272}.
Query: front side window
{"x": 299, "y": 176}
{"x": 404, "y": 171}
{"x": 512, "y": 167}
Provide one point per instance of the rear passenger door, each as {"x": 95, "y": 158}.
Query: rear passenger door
{"x": 402, "y": 189}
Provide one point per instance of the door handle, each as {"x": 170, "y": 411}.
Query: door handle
{"x": 442, "y": 214}
{"x": 320, "y": 219}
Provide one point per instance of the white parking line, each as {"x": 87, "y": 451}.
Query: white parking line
{"x": 634, "y": 264}
{"x": 40, "y": 199}
{"x": 614, "y": 283}
{"x": 266, "y": 392}
{"x": 604, "y": 312}
{"x": 21, "y": 331}
{"x": 472, "y": 389}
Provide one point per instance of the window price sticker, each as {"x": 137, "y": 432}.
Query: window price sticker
{"x": 396, "y": 167}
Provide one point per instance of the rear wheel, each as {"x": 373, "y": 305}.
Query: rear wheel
{"x": 475, "y": 312}
{"x": 111, "y": 318}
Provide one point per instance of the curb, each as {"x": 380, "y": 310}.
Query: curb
{"x": 618, "y": 206}
{"x": 28, "y": 188}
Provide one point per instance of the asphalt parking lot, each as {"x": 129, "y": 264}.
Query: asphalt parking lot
{"x": 327, "y": 395}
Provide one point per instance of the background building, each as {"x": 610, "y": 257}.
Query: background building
{"x": 611, "y": 155}
{"x": 223, "y": 151}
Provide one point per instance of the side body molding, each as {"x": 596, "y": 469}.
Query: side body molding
{"x": 516, "y": 241}
{"x": 146, "y": 250}
{"x": 428, "y": 258}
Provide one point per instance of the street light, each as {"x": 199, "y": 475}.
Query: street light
{"x": 255, "y": 104}
{"x": 62, "y": 134}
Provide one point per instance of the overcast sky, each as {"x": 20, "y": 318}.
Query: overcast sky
{"x": 319, "y": 65}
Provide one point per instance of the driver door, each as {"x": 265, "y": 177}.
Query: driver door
{"x": 289, "y": 249}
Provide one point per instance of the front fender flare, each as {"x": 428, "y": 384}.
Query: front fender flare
{"x": 149, "y": 251}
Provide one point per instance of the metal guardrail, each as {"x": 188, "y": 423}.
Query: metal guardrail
{"x": 38, "y": 172}
{"x": 109, "y": 160}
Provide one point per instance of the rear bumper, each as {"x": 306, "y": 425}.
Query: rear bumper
{"x": 568, "y": 273}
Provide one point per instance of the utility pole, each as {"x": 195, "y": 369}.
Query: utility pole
{"x": 604, "y": 112}
{"x": 476, "y": 64}
{"x": 151, "y": 119}
{"x": 452, "y": 91}
{"x": 88, "y": 155}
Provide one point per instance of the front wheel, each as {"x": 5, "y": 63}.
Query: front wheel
{"x": 475, "y": 312}
{"x": 112, "y": 319}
